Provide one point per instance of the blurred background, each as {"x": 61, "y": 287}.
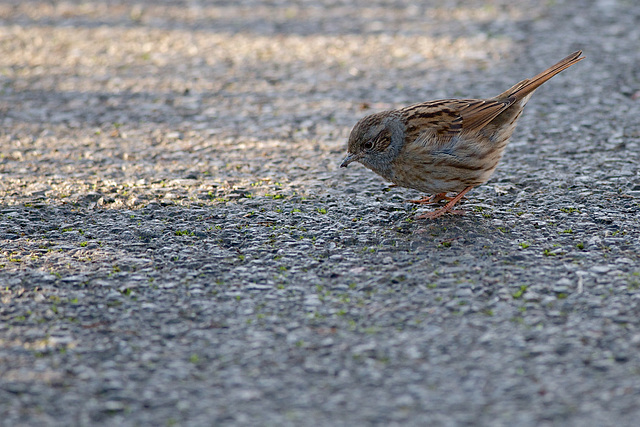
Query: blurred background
{"x": 112, "y": 93}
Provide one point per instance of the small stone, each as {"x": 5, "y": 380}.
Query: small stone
{"x": 600, "y": 269}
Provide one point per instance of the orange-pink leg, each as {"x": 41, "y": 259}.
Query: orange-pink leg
{"x": 428, "y": 200}
{"x": 447, "y": 208}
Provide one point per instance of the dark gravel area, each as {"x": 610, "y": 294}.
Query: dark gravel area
{"x": 178, "y": 245}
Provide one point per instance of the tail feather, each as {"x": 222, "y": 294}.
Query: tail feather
{"x": 526, "y": 87}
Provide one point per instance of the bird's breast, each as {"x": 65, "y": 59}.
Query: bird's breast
{"x": 449, "y": 167}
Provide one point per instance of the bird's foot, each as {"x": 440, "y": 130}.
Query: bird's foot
{"x": 448, "y": 208}
{"x": 429, "y": 200}
{"x": 439, "y": 213}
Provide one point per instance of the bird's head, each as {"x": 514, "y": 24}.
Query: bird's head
{"x": 369, "y": 141}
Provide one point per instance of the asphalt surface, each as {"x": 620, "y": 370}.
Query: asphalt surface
{"x": 178, "y": 245}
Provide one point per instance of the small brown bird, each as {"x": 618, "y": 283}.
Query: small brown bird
{"x": 450, "y": 145}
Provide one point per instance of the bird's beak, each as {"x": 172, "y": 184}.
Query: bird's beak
{"x": 350, "y": 158}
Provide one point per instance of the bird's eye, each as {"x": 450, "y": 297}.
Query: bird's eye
{"x": 367, "y": 145}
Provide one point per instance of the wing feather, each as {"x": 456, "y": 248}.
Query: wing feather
{"x": 440, "y": 121}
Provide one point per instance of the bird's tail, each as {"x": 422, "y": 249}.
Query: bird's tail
{"x": 526, "y": 87}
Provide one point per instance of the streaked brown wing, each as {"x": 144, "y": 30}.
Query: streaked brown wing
{"x": 442, "y": 120}
{"x": 476, "y": 114}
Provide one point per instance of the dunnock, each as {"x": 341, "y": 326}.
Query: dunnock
{"x": 450, "y": 145}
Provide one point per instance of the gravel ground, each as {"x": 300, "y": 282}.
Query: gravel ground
{"x": 178, "y": 245}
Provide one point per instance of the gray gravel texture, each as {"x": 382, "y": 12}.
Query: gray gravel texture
{"x": 179, "y": 247}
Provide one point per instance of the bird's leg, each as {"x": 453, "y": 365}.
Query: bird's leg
{"x": 447, "y": 208}
{"x": 429, "y": 200}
